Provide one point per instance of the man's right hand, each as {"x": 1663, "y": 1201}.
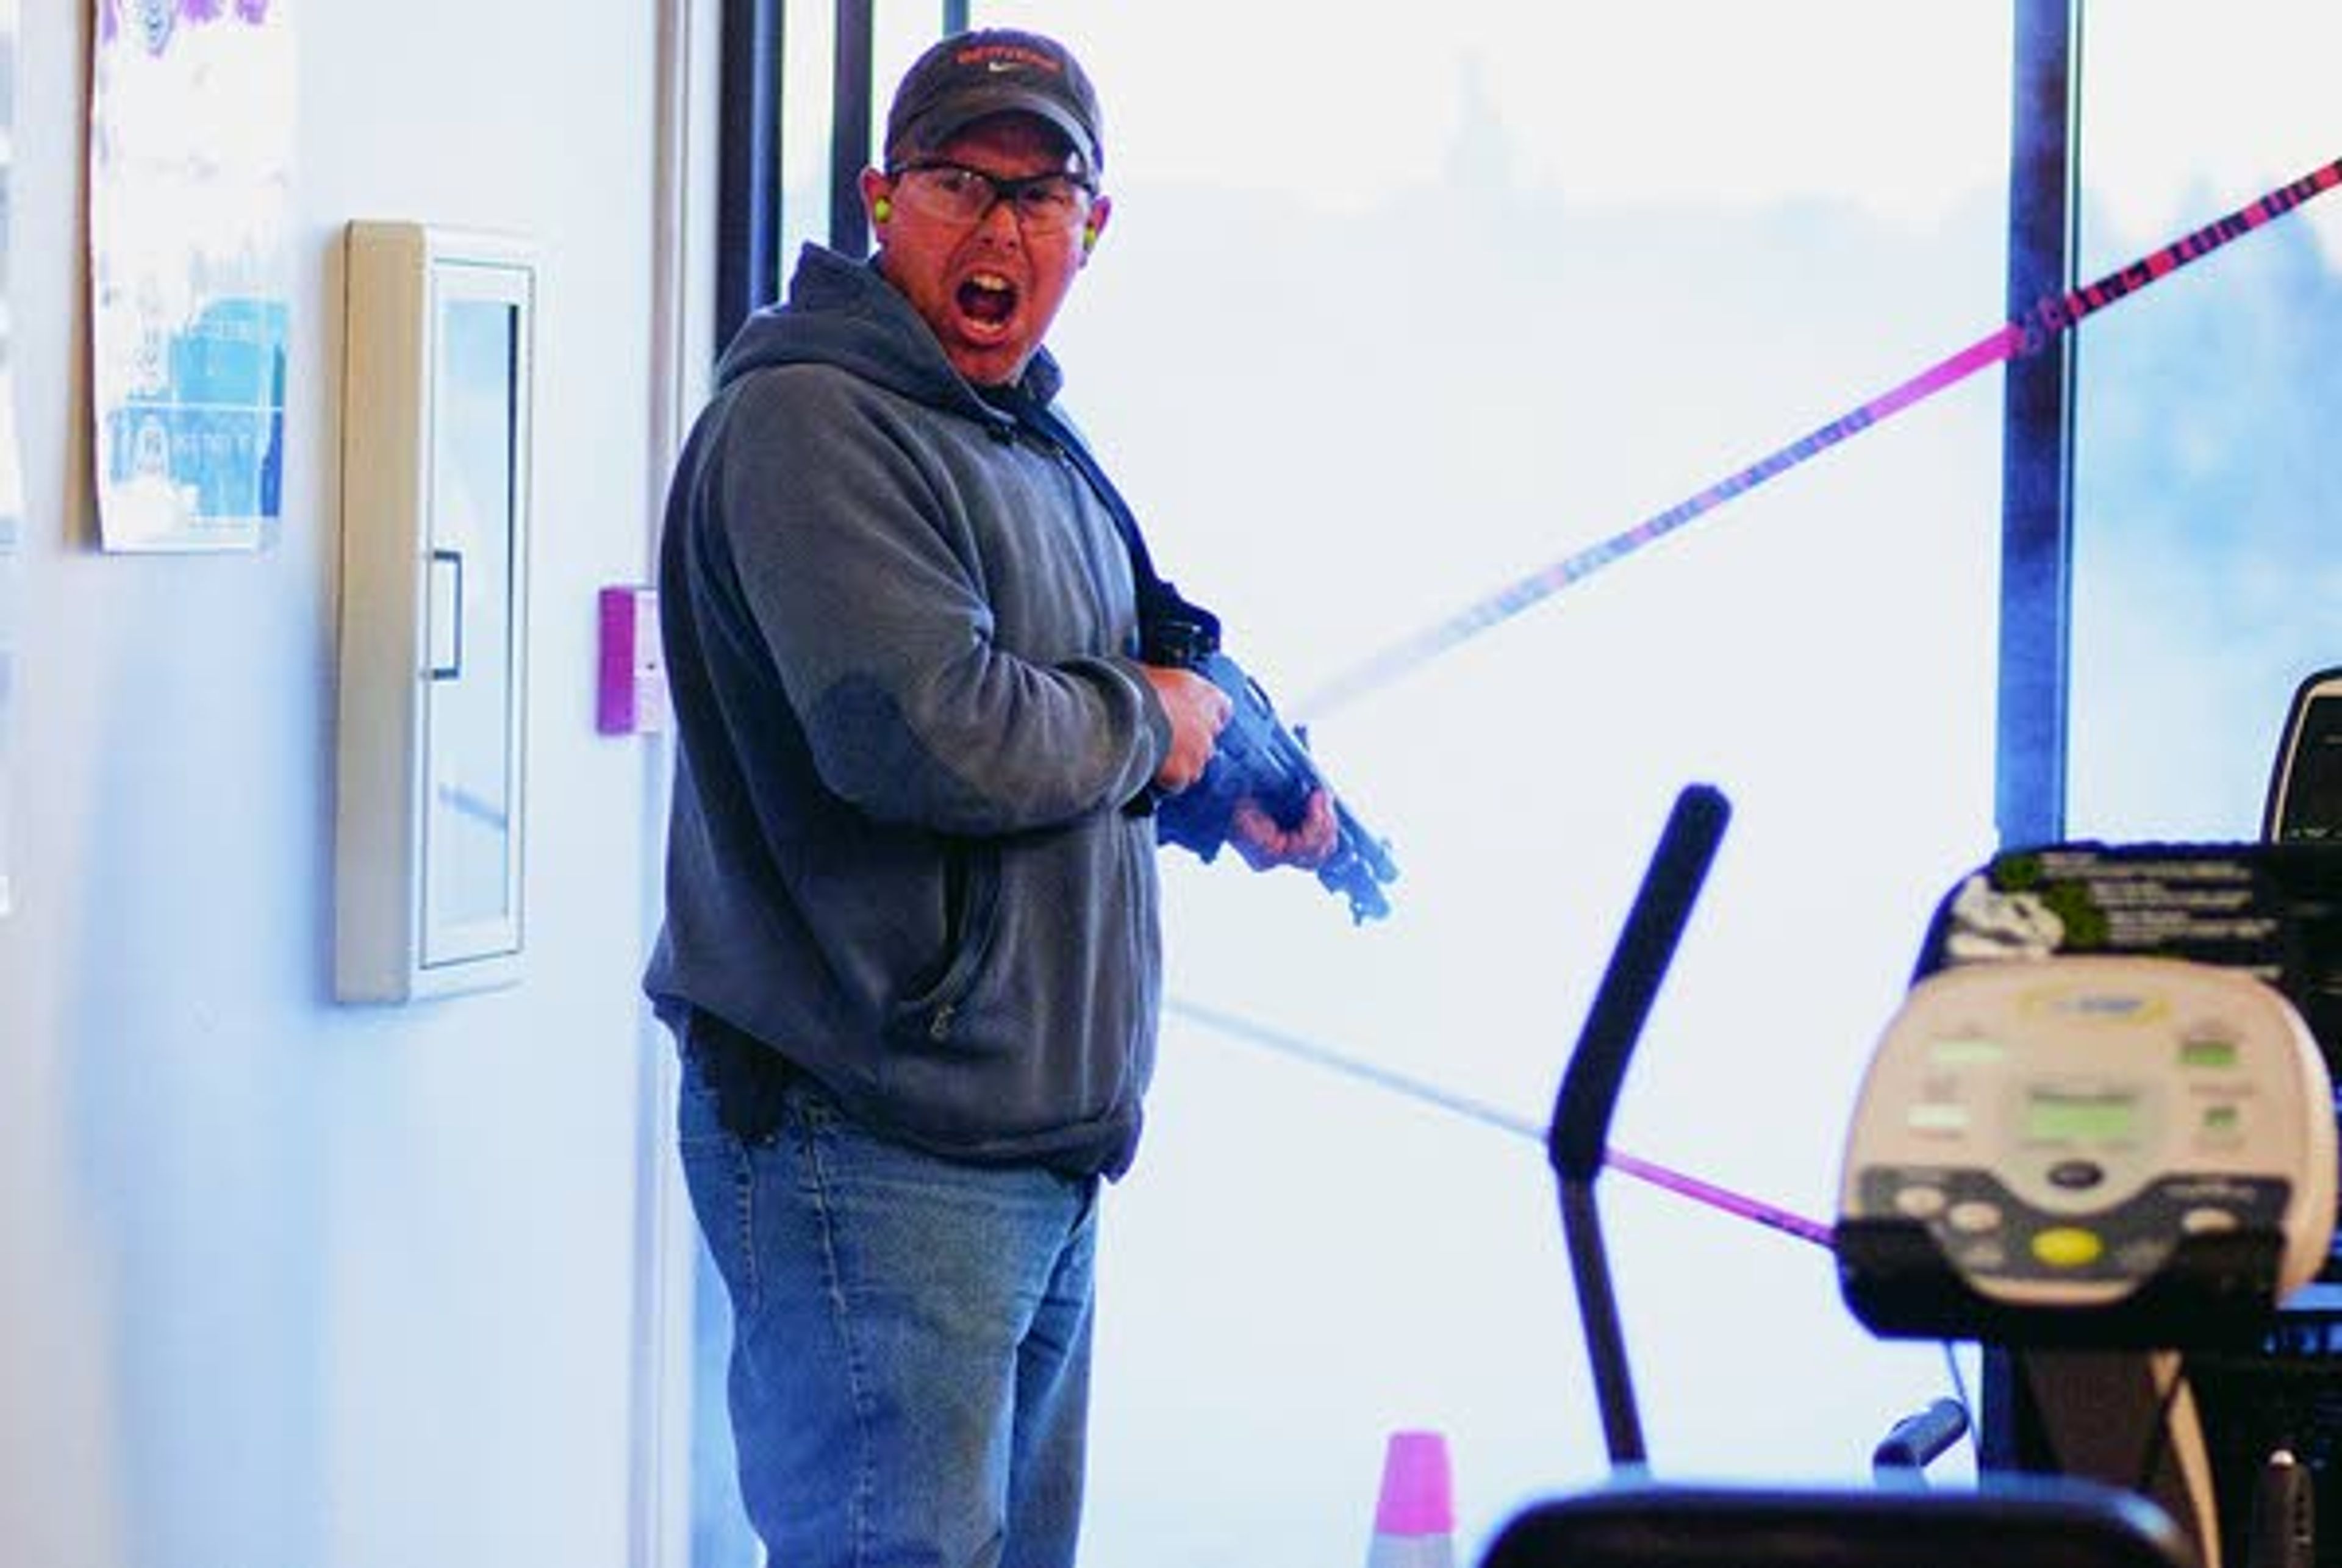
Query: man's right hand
{"x": 1198, "y": 710}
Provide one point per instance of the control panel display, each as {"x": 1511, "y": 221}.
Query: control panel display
{"x": 2055, "y": 1115}
{"x": 2058, "y": 1125}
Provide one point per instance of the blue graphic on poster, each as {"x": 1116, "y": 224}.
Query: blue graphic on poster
{"x": 190, "y": 170}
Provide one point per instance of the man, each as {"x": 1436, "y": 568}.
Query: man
{"x": 911, "y": 946}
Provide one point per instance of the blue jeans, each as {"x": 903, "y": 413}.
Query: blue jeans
{"x": 909, "y": 1380}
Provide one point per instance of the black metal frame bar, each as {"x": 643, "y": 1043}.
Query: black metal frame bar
{"x": 852, "y": 95}
{"x": 2038, "y": 434}
{"x": 748, "y": 203}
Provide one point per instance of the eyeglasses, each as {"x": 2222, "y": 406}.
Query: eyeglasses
{"x": 955, "y": 194}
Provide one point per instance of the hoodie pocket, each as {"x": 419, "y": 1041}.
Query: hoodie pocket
{"x": 929, "y": 1014}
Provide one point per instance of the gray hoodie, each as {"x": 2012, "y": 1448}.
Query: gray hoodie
{"x": 899, "y": 632}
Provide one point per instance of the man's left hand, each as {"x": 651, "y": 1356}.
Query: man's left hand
{"x": 1264, "y": 845}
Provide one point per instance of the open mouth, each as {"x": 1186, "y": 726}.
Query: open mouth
{"x": 986, "y": 300}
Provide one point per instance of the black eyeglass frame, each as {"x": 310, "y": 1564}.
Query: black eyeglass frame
{"x": 1010, "y": 192}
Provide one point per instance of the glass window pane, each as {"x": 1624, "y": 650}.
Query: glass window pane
{"x": 471, "y": 888}
{"x": 2207, "y": 498}
{"x": 900, "y": 30}
{"x": 809, "y": 70}
{"x": 1396, "y": 308}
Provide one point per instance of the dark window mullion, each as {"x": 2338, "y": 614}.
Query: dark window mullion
{"x": 2037, "y": 551}
{"x": 749, "y": 206}
{"x": 849, "y": 134}
{"x": 2038, "y": 435}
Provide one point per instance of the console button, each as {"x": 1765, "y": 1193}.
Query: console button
{"x": 2067, "y": 1247}
{"x": 2077, "y": 1175}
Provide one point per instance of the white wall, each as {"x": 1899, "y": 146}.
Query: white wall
{"x": 285, "y": 1284}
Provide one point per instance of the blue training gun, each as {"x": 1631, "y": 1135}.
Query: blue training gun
{"x": 1257, "y": 758}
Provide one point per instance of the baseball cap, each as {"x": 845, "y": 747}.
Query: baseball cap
{"x": 994, "y": 71}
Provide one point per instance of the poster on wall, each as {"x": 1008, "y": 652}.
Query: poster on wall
{"x": 12, "y": 485}
{"x": 191, "y": 138}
